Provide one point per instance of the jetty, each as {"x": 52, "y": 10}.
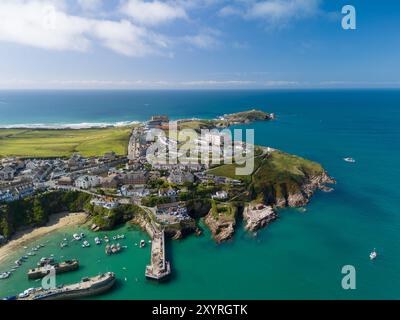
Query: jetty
{"x": 159, "y": 268}
{"x": 86, "y": 288}
{"x": 42, "y": 271}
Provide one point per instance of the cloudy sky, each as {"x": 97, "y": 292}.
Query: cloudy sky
{"x": 189, "y": 44}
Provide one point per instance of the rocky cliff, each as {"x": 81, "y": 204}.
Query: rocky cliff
{"x": 221, "y": 220}
{"x": 258, "y": 216}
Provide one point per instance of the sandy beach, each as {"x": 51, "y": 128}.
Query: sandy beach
{"x": 57, "y": 222}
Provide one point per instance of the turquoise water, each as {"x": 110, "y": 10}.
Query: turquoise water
{"x": 298, "y": 257}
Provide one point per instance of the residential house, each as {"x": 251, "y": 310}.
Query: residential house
{"x": 110, "y": 182}
{"x": 220, "y": 195}
{"x": 7, "y": 173}
{"x": 180, "y": 177}
{"x": 87, "y": 182}
{"x": 134, "y": 178}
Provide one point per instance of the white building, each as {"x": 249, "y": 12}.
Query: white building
{"x": 105, "y": 204}
{"x": 87, "y": 182}
{"x": 220, "y": 195}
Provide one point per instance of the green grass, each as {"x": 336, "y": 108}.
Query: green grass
{"x": 274, "y": 176}
{"x": 224, "y": 211}
{"x": 63, "y": 143}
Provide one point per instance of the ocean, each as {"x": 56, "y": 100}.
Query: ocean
{"x": 301, "y": 255}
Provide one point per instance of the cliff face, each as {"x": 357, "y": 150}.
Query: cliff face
{"x": 300, "y": 194}
{"x": 258, "y": 216}
{"x": 221, "y": 224}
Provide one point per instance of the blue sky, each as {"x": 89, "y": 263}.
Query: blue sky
{"x": 190, "y": 44}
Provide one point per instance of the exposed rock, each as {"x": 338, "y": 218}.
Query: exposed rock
{"x": 300, "y": 195}
{"x": 258, "y": 216}
{"x": 221, "y": 226}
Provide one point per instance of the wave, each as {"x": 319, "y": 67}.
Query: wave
{"x": 73, "y": 126}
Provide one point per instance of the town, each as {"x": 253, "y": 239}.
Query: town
{"x": 112, "y": 180}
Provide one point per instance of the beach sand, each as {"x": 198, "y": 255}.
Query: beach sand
{"x": 57, "y": 222}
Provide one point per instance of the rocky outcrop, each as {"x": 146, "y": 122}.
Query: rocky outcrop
{"x": 303, "y": 196}
{"x": 180, "y": 230}
{"x": 221, "y": 226}
{"x": 258, "y": 216}
{"x": 298, "y": 193}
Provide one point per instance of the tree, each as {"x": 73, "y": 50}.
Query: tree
{"x": 39, "y": 216}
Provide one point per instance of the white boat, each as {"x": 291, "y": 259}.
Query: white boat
{"x": 373, "y": 255}
{"x": 142, "y": 243}
{"x": 97, "y": 240}
{"x": 85, "y": 244}
{"x": 5, "y": 275}
{"x": 77, "y": 237}
{"x": 63, "y": 244}
{"x": 349, "y": 159}
{"x": 83, "y": 235}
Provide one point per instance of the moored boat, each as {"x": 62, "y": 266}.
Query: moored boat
{"x": 77, "y": 237}
{"x": 373, "y": 255}
{"x": 5, "y": 275}
{"x": 85, "y": 244}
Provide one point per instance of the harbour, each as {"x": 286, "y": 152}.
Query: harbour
{"x": 336, "y": 229}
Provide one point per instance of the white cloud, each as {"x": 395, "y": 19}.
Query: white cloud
{"x": 229, "y": 11}
{"x": 153, "y": 13}
{"x": 90, "y": 4}
{"x": 46, "y": 24}
{"x": 202, "y": 41}
{"x": 284, "y": 9}
{"x": 273, "y": 12}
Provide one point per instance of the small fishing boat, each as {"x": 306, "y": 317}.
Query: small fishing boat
{"x": 142, "y": 243}
{"x": 108, "y": 249}
{"x": 63, "y": 244}
{"x": 97, "y": 240}
{"x": 83, "y": 235}
{"x": 373, "y": 255}
{"x": 45, "y": 261}
{"x": 115, "y": 238}
{"x": 77, "y": 237}
{"x": 349, "y": 159}
{"x": 5, "y": 275}
{"x": 85, "y": 244}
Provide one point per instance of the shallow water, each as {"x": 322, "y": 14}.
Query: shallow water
{"x": 298, "y": 257}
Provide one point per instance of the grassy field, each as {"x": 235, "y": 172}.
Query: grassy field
{"x": 274, "y": 176}
{"x": 63, "y": 143}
